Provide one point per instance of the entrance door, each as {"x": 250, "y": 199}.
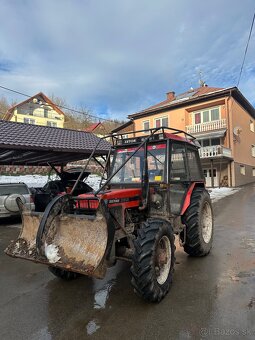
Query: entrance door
{"x": 208, "y": 177}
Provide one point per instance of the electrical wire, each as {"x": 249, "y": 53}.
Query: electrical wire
{"x": 59, "y": 106}
{"x": 246, "y": 49}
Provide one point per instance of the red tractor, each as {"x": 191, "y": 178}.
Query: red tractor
{"x": 154, "y": 190}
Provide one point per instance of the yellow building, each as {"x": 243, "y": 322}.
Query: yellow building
{"x": 37, "y": 110}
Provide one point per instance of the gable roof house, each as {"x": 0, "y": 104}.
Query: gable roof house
{"x": 221, "y": 119}
{"x": 97, "y": 128}
{"x": 37, "y": 110}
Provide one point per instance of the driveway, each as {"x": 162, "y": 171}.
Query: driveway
{"x": 211, "y": 297}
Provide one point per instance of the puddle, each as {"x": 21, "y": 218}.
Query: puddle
{"x": 102, "y": 295}
{"x": 102, "y": 288}
{"x": 92, "y": 327}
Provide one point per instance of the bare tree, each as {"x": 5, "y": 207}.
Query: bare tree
{"x": 4, "y": 106}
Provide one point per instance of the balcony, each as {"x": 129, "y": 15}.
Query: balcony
{"x": 215, "y": 151}
{"x": 209, "y": 126}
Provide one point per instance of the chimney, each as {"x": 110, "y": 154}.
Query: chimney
{"x": 170, "y": 95}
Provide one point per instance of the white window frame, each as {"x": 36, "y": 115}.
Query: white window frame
{"x": 143, "y": 122}
{"x": 29, "y": 121}
{"x": 251, "y": 125}
{"x": 51, "y": 124}
{"x": 161, "y": 119}
{"x": 210, "y": 115}
{"x": 242, "y": 170}
{"x": 253, "y": 150}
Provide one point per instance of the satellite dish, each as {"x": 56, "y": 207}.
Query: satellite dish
{"x": 237, "y": 130}
{"x": 35, "y": 100}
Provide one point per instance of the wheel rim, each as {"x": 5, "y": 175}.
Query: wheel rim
{"x": 207, "y": 222}
{"x": 163, "y": 259}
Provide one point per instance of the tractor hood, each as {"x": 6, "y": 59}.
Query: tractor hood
{"x": 129, "y": 197}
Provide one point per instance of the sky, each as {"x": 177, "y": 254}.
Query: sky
{"x": 118, "y": 57}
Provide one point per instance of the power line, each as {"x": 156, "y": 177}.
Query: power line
{"x": 246, "y": 49}
{"x": 60, "y": 106}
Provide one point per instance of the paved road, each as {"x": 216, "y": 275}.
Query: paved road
{"x": 211, "y": 297}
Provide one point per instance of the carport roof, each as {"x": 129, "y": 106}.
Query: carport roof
{"x": 26, "y": 144}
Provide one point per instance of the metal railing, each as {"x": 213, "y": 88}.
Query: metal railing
{"x": 209, "y": 126}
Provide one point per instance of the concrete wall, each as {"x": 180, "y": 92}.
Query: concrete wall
{"x": 14, "y": 170}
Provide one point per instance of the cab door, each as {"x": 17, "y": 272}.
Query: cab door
{"x": 179, "y": 176}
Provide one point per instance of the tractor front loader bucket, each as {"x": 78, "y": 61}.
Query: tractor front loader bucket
{"x": 72, "y": 242}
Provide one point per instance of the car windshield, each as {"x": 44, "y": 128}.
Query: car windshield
{"x": 13, "y": 189}
{"x": 132, "y": 171}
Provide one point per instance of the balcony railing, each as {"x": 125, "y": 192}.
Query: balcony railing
{"x": 209, "y": 126}
{"x": 215, "y": 151}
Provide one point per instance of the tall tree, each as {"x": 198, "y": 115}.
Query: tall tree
{"x": 4, "y": 106}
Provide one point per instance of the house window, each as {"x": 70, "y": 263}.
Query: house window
{"x": 253, "y": 150}
{"x": 52, "y": 124}
{"x": 251, "y": 125}
{"x": 242, "y": 169}
{"x": 215, "y": 114}
{"x": 31, "y": 110}
{"x": 215, "y": 141}
{"x": 206, "y": 116}
{"x": 146, "y": 126}
{"x": 46, "y": 113}
{"x": 29, "y": 121}
{"x": 210, "y": 142}
{"x": 161, "y": 122}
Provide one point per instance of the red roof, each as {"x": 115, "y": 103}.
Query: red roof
{"x": 192, "y": 93}
{"x": 93, "y": 127}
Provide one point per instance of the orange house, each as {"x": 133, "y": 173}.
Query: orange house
{"x": 223, "y": 122}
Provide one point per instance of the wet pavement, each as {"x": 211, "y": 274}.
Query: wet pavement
{"x": 211, "y": 297}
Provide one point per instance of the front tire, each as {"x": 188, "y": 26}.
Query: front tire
{"x": 63, "y": 274}
{"x": 198, "y": 219}
{"x": 153, "y": 261}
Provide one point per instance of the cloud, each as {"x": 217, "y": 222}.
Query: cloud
{"x": 119, "y": 57}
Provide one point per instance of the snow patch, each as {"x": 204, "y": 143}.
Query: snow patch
{"x": 218, "y": 193}
{"x": 51, "y": 252}
{"x": 39, "y": 181}
{"x": 29, "y": 180}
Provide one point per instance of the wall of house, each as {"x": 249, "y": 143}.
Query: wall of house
{"x": 182, "y": 117}
{"x": 176, "y": 119}
{"x": 243, "y": 179}
{"x": 129, "y": 128}
{"x": 243, "y": 142}
{"x": 36, "y": 112}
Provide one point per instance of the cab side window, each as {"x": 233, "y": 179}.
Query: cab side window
{"x": 194, "y": 164}
{"x": 178, "y": 170}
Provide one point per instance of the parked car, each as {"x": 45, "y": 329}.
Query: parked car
{"x": 9, "y": 192}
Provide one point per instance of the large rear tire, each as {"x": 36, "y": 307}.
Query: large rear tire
{"x": 153, "y": 261}
{"x": 198, "y": 219}
{"x": 63, "y": 274}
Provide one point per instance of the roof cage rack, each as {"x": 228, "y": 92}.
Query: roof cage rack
{"x": 117, "y": 138}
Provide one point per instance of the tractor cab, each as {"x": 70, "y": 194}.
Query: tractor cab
{"x": 162, "y": 165}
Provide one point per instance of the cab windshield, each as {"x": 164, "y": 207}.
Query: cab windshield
{"x": 132, "y": 171}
